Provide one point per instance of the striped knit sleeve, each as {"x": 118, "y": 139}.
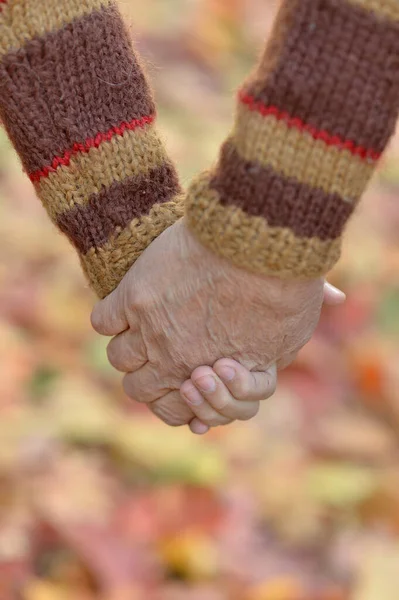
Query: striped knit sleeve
{"x": 78, "y": 109}
{"x": 312, "y": 122}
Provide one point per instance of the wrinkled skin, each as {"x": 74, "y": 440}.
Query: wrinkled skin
{"x": 181, "y": 306}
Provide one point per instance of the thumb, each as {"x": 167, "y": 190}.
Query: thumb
{"x": 332, "y": 295}
{"x": 109, "y": 315}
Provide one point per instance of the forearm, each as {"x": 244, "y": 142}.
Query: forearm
{"x": 78, "y": 109}
{"x": 312, "y": 122}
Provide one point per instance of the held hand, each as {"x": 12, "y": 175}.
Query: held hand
{"x": 180, "y": 306}
{"x": 225, "y": 393}
{"x": 233, "y": 391}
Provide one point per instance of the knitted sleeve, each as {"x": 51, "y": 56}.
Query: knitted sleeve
{"x": 312, "y": 122}
{"x": 77, "y": 107}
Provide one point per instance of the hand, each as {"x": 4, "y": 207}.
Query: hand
{"x": 228, "y": 391}
{"x": 181, "y": 306}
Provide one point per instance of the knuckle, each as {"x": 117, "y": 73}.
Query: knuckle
{"x": 140, "y": 299}
{"x": 177, "y": 422}
{"x": 168, "y": 417}
{"x": 172, "y": 421}
{"x": 216, "y": 421}
{"x": 112, "y": 354}
{"x": 128, "y": 387}
{"x": 219, "y": 403}
{"x": 243, "y": 387}
{"x": 251, "y": 413}
{"x": 96, "y": 320}
{"x": 135, "y": 391}
{"x": 121, "y": 355}
{"x": 271, "y": 385}
{"x": 143, "y": 387}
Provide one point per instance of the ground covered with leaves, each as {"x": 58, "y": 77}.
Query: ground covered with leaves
{"x": 100, "y": 501}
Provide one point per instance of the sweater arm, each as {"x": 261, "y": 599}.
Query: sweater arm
{"x": 78, "y": 109}
{"x": 312, "y": 123}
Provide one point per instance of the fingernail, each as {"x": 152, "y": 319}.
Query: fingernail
{"x": 198, "y": 428}
{"x": 193, "y": 396}
{"x": 206, "y": 384}
{"x": 336, "y": 290}
{"x": 226, "y": 373}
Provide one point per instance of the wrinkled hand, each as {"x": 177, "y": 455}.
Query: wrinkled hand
{"x": 216, "y": 395}
{"x": 180, "y": 307}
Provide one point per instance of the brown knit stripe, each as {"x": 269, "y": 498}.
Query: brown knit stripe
{"x": 282, "y": 201}
{"x": 383, "y": 8}
{"x": 250, "y": 242}
{"x": 275, "y": 45}
{"x": 26, "y": 19}
{"x": 294, "y": 153}
{"x": 358, "y": 51}
{"x": 106, "y": 267}
{"x": 134, "y": 154}
{"x": 112, "y": 209}
{"x": 71, "y": 101}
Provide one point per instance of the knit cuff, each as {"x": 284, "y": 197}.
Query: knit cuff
{"x": 249, "y": 242}
{"x": 106, "y": 265}
{"x": 77, "y": 107}
{"x": 312, "y": 122}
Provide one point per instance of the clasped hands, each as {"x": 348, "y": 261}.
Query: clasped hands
{"x": 199, "y": 340}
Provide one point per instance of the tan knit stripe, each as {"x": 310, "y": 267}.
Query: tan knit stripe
{"x": 250, "y": 243}
{"x": 382, "y": 8}
{"x": 297, "y": 154}
{"x": 106, "y": 267}
{"x": 26, "y": 19}
{"x": 135, "y": 153}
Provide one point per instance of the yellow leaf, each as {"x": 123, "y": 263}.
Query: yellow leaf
{"x": 42, "y": 590}
{"x": 341, "y": 485}
{"x": 175, "y": 456}
{"x": 192, "y": 556}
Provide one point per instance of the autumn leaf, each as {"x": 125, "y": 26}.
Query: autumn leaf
{"x": 279, "y": 589}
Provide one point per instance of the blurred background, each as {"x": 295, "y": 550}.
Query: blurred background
{"x": 98, "y": 500}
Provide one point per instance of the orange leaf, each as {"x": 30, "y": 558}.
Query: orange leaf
{"x": 278, "y": 589}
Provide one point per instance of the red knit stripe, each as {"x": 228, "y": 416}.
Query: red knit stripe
{"x": 95, "y": 142}
{"x": 2, "y": 2}
{"x": 317, "y": 134}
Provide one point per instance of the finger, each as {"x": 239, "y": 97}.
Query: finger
{"x": 144, "y": 385}
{"x": 218, "y": 396}
{"x": 332, "y": 295}
{"x": 109, "y": 316}
{"x": 172, "y": 410}
{"x": 252, "y": 386}
{"x": 126, "y": 352}
{"x": 209, "y": 398}
{"x": 200, "y": 407}
{"x": 198, "y": 427}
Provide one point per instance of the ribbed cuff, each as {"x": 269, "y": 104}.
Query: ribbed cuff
{"x": 312, "y": 122}
{"x": 250, "y": 243}
{"x": 105, "y": 267}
